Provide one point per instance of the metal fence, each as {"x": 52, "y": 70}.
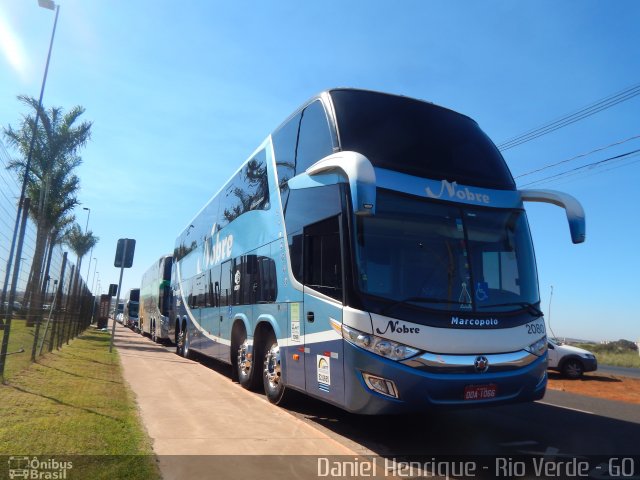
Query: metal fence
{"x": 64, "y": 308}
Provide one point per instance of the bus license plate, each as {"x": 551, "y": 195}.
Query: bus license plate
{"x": 480, "y": 392}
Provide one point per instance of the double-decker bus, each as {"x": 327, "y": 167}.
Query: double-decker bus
{"x": 155, "y": 298}
{"x": 374, "y": 253}
{"x": 132, "y": 309}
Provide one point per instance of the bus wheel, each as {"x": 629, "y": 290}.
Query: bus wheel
{"x": 154, "y": 337}
{"x": 272, "y": 373}
{"x": 245, "y": 366}
{"x": 182, "y": 346}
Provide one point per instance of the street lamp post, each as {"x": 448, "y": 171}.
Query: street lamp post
{"x": 93, "y": 285}
{"x": 86, "y": 230}
{"x": 49, "y": 4}
{"x": 95, "y": 267}
{"x": 86, "y": 227}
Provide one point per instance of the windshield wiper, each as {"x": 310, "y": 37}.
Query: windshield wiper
{"x": 417, "y": 299}
{"x": 530, "y": 307}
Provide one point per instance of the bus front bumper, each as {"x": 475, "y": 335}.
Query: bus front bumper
{"x": 419, "y": 390}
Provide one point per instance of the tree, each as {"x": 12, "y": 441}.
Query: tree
{"x": 80, "y": 243}
{"x": 51, "y": 185}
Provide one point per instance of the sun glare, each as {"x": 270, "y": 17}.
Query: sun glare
{"x": 12, "y": 48}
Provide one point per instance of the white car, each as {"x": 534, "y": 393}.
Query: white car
{"x": 571, "y": 361}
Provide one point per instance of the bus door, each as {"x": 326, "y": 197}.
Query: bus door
{"x": 322, "y": 272}
{"x": 224, "y": 319}
{"x": 195, "y": 305}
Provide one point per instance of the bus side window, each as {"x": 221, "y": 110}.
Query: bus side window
{"x": 323, "y": 258}
{"x": 225, "y": 284}
{"x": 200, "y": 291}
{"x": 314, "y": 142}
{"x": 213, "y": 286}
{"x": 268, "y": 285}
{"x": 285, "y": 142}
{"x": 248, "y": 190}
{"x": 249, "y": 281}
{"x": 191, "y": 298}
{"x": 295, "y": 252}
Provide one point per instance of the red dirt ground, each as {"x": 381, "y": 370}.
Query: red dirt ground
{"x": 610, "y": 387}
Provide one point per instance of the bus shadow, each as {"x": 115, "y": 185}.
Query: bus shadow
{"x": 524, "y": 429}
{"x": 213, "y": 364}
{"x": 585, "y": 378}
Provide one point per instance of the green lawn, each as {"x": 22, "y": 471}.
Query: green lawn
{"x": 75, "y": 402}
{"x": 618, "y": 357}
{"x": 627, "y": 359}
{"x": 20, "y": 338}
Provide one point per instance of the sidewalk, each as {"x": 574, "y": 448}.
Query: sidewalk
{"x": 189, "y": 409}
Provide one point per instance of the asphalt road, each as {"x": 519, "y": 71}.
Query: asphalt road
{"x": 562, "y": 425}
{"x": 621, "y": 371}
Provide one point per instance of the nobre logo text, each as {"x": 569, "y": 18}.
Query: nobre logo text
{"x": 395, "y": 327}
{"x": 453, "y": 191}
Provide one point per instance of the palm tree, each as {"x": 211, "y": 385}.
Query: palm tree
{"x": 80, "y": 243}
{"x": 52, "y": 185}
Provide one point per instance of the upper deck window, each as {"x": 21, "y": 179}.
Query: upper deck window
{"x": 314, "y": 140}
{"x": 248, "y": 190}
{"x": 418, "y": 138}
{"x": 299, "y": 143}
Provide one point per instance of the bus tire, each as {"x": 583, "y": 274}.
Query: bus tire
{"x": 154, "y": 336}
{"x": 272, "y": 373}
{"x": 182, "y": 346}
{"x": 248, "y": 374}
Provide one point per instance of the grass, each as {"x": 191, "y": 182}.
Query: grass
{"x": 617, "y": 357}
{"x": 20, "y": 338}
{"x": 627, "y": 359}
{"x": 21, "y": 344}
{"x": 75, "y": 402}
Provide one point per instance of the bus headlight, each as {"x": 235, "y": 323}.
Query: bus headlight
{"x": 538, "y": 348}
{"x": 378, "y": 345}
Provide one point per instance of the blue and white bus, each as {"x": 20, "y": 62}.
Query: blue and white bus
{"x": 373, "y": 252}
{"x": 155, "y": 299}
{"x": 132, "y": 309}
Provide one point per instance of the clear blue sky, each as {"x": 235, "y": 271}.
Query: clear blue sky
{"x": 180, "y": 94}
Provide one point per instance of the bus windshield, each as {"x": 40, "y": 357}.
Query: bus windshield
{"x": 418, "y": 138}
{"x": 445, "y": 257}
{"x": 134, "y": 308}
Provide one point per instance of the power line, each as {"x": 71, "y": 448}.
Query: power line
{"x": 568, "y": 119}
{"x": 586, "y": 174}
{"x": 599, "y": 149}
{"x": 580, "y": 169}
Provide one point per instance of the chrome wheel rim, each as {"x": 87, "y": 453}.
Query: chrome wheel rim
{"x": 180, "y": 342}
{"x": 272, "y": 368}
{"x": 244, "y": 359}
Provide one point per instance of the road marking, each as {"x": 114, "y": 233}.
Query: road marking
{"x": 566, "y": 408}
{"x": 519, "y": 444}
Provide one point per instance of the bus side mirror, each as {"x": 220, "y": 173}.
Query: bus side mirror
{"x": 575, "y": 212}
{"x": 352, "y": 166}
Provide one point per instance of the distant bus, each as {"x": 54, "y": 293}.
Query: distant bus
{"x": 374, "y": 253}
{"x": 131, "y": 308}
{"x": 155, "y": 298}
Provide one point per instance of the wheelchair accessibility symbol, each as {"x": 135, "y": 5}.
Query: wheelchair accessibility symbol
{"x": 482, "y": 291}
